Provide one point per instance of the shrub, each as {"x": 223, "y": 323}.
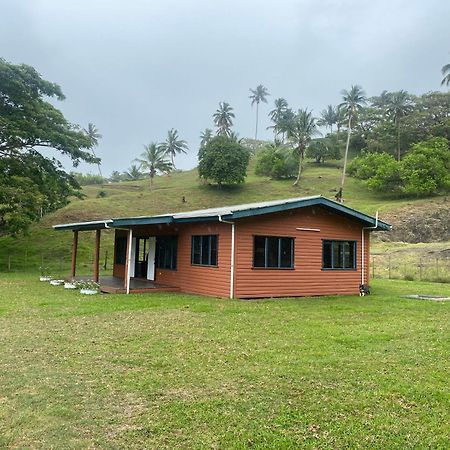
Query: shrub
{"x": 102, "y": 194}
{"x": 368, "y": 164}
{"x": 322, "y": 149}
{"x": 276, "y": 162}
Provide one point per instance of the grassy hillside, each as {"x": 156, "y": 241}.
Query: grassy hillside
{"x": 42, "y": 244}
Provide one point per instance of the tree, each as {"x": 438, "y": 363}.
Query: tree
{"x": 276, "y": 161}
{"x": 223, "y": 161}
{"x": 223, "y": 119}
{"x": 353, "y": 101}
{"x": 133, "y": 173}
{"x": 398, "y": 105}
{"x": 27, "y": 123}
{"x": 205, "y": 136}
{"x": 94, "y": 136}
{"x": 173, "y": 145}
{"x": 154, "y": 160}
{"x": 116, "y": 176}
{"x": 300, "y": 132}
{"x": 322, "y": 149}
{"x": 446, "y": 74}
{"x": 277, "y": 114}
{"x": 257, "y": 96}
{"x": 329, "y": 117}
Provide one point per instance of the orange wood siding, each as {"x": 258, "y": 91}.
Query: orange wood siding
{"x": 214, "y": 281}
{"x": 307, "y": 277}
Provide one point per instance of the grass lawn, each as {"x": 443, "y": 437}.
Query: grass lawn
{"x": 181, "y": 371}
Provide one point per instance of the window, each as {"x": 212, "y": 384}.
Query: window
{"x": 166, "y": 252}
{"x": 204, "y": 250}
{"x": 273, "y": 252}
{"x": 120, "y": 250}
{"x": 339, "y": 255}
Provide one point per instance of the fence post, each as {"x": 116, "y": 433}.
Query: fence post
{"x": 389, "y": 267}
{"x": 373, "y": 266}
{"x": 106, "y": 260}
{"x": 420, "y": 269}
{"x": 9, "y": 263}
{"x": 437, "y": 266}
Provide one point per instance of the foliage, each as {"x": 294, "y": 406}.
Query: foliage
{"x": 223, "y": 119}
{"x": 86, "y": 179}
{"x": 154, "y": 161}
{"x": 133, "y": 173}
{"x": 257, "y": 96}
{"x": 276, "y": 162}
{"x": 102, "y": 194}
{"x": 322, "y": 149}
{"x": 300, "y": 132}
{"x": 173, "y": 145}
{"x": 425, "y": 170}
{"x": 31, "y": 184}
{"x": 223, "y": 161}
{"x": 446, "y": 74}
{"x": 329, "y": 117}
{"x": 205, "y": 136}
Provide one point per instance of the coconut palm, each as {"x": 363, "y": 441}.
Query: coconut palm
{"x": 205, "y": 136}
{"x": 276, "y": 115}
{"x": 94, "y": 136}
{"x": 302, "y": 128}
{"x": 446, "y": 73}
{"x": 353, "y": 101}
{"x": 223, "y": 119}
{"x": 329, "y": 117}
{"x": 257, "y": 96}
{"x": 133, "y": 173}
{"x": 398, "y": 105}
{"x": 173, "y": 145}
{"x": 154, "y": 160}
{"x": 285, "y": 123}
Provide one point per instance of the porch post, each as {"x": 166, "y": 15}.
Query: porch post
{"x": 97, "y": 255}
{"x": 74, "y": 254}
{"x": 128, "y": 261}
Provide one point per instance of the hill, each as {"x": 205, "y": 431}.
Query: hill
{"x": 43, "y": 246}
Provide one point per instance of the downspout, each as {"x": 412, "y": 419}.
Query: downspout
{"x": 232, "y": 254}
{"x": 362, "y": 245}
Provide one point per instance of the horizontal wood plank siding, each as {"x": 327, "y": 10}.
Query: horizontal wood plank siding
{"x": 307, "y": 277}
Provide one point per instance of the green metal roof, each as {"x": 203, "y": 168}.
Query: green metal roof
{"x": 230, "y": 213}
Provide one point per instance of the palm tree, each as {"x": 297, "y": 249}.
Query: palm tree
{"x": 329, "y": 117}
{"x": 133, "y": 173}
{"x": 94, "y": 136}
{"x": 205, "y": 136}
{"x": 446, "y": 73}
{"x": 257, "y": 96}
{"x": 174, "y": 145}
{"x": 154, "y": 160}
{"x": 223, "y": 119}
{"x": 354, "y": 99}
{"x": 276, "y": 115}
{"x": 302, "y": 129}
{"x": 285, "y": 123}
{"x": 398, "y": 105}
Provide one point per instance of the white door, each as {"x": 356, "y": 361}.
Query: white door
{"x": 151, "y": 258}
{"x": 133, "y": 257}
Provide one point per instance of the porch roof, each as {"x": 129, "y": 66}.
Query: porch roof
{"x": 229, "y": 213}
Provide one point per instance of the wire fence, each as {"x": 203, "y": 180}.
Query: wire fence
{"x": 434, "y": 268}
{"x": 56, "y": 263}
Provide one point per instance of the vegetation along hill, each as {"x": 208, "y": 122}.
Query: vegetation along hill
{"x": 43, "y": 246}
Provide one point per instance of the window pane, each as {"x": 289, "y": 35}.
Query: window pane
{"x": 213, "y": 250}
{"x": 205, "y": 250}
{"x": 327, "y": 245}
{"x": 259, "y": 251}
{"x": 272, "y": 252}
{"x": 286, "y": 254}
{"x": 196, "y": 250}
{"x": 338, "y": 255}
{"x": 121, "y": 249}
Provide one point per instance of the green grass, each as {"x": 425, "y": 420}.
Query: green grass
{"x": 180, "y": 371}
{"x": 136, "y": 198}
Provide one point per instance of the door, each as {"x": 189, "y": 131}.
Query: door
{"x": 141, "y": 258}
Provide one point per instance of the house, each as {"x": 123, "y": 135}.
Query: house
{"x": 294, "y": 247}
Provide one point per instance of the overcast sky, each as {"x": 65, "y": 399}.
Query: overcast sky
{"x": 137, "y": 68}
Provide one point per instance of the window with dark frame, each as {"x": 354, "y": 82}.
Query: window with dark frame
{"x": 204, "y": 250}
{"x": 272, "y": 252}
{"x": 338, "y": 254}
{"x": 166, "y": 252}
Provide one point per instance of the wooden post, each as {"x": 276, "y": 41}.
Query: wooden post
{"x": 74, "y": 255}
{"x": 128, "y": 261}
{"x": 97, "y": 255}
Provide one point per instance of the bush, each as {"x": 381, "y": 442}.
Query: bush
{"x": 223, "y": 161}
{"x": 322, "y": 149}
{"x": 368, "y": 164}
{"x": 88, "y": 178}
{"x": 102, "y": 194}
{"x": 276, "y": 162}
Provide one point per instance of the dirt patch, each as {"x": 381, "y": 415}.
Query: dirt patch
{"x": 425, "y": 223}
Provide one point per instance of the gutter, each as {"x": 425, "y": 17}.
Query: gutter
{"x": 233, "y": 225}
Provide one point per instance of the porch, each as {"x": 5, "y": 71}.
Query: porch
{"x": 115, "y": 285}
